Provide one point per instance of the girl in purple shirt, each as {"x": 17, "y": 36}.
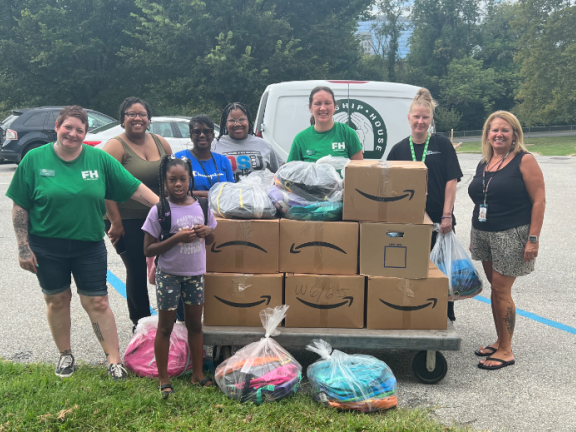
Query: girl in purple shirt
{"x": 180, "y": 266}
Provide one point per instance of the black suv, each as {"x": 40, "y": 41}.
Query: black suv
{"x": 29, "y": 128}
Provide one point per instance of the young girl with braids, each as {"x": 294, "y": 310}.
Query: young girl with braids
{"x": 237, "y": 142}
{"x": 181, "y": 264}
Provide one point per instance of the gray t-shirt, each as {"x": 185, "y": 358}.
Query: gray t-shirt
{"x": 247, "y": 155}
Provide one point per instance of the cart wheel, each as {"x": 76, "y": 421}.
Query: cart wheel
{"x": 420, "y": 369}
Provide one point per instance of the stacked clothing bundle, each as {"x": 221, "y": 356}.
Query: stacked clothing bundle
{"x": 351, "y": 382}
{"x": 244, "y": 200}
{"x": 308, "y": 191}
{"x": 262, "y": 371}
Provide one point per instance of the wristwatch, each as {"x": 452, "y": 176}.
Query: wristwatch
{"x": 533, "y": 239}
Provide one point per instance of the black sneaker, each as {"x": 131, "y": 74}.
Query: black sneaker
{"x": 65, "y": 366}
{"x": 117, "y": 372}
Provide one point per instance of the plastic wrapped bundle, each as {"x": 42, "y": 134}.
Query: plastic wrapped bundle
{"x": 292, "y": 206}
{"x": 338, "y": 162}
{"x": 451, "y": 258}
{"x": 139, "y": 356}
{"x": 351, "y": 382}
{"x": 262, "y": 371}
{"x": 313, "y": 182}
{"x": 244, "y": 200}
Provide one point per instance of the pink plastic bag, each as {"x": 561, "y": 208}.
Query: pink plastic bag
{"x": 151, "y": 265}
{"x": 139, "y": 356}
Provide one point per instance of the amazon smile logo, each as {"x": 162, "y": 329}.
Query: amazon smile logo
{"x": 265, "y": 298}
{"x": 432, "y": 301}
{"x": 410, "y": 193}
{"x": 294, "y": 250}
{"x": 327, "y": 306}
{"x": 217, "y": 249}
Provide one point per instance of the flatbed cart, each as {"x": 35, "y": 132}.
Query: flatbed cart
{"x": 429, "y": 365}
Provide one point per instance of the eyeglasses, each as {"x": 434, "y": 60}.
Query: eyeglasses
{"x": 233, "y": 121}
{"x": 199, "y": 132}
{"x": 134, "y": 115}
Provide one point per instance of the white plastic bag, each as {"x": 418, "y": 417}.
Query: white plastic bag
{"x": 262, "y": 371}
{"x": 351, "y": 382}
{"x": 453, "y": 260}
{"x": 247, "y": 199}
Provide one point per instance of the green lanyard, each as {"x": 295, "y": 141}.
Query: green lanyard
{"x": 425, "y": 148}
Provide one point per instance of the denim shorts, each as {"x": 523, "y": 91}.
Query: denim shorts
{"x": 169, "y": 289}
{"x": 59, "y": 258}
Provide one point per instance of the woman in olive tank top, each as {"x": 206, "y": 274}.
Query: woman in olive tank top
{"x": 140, "y": 153}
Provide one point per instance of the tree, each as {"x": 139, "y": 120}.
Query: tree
{"x": 446, "y": 119}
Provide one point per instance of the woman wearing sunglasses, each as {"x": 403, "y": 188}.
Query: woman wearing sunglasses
{"x": 237, "y": 142}
{"x": 209, "y": 168}
{"x": 140, "y": 153}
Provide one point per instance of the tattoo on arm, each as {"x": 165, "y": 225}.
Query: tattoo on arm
{"x": 510, "y": 320}
{"x": 20, "y": 222}
{"x": 97, "y": 331}
{"x": 145, "y": 201}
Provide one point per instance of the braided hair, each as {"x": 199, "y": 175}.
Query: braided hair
{"x": 224, "y": 117}
{"x": 167, "y": 162}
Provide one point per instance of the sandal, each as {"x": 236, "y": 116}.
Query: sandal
{"x": 503, "y": 363}
{"x": 163, "y": 387}
{"x": 204, "y": 382}
{"x": 487, "y": 347}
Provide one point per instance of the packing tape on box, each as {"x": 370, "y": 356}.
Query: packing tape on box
{"x": 243, "y": 231}
{"x": 383, "y": 180}
{"x": 315, "y": 232}
{"x": 240, "y": 284}
{"x": 405, "y": 286}
{"x": 407, "y": 300}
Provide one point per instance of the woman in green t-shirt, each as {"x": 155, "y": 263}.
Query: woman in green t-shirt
{"x": 324, "y": 137}
{"x": 58, "y": 192}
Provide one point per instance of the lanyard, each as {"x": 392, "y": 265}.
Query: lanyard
{"x": 486, "y": 184}
{"x": 205, "y": 173}
{"x": 425, "y": 148}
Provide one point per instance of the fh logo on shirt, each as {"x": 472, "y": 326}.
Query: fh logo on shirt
{"x": 90, "y": 175}
{"x": 339, "y": 146}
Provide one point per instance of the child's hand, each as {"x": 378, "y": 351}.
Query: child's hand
{"x": 186, "y": 235}
{"x": 202, "y": 231}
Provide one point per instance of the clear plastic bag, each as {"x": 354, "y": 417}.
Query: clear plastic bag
{"x": 262, "y": 371}
{"x": 139, "y": 355}
{"x": 338, "y": 162}
{"x": 453, "y": 260}
{"x": 292, "y": 206}
{"x": 351, "y": 382}
{"x": 311, "y": 181}
{"x": 244, "y": 200}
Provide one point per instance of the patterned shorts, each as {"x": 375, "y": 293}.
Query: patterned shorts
{"x": 169, "y": 289}
{"x": 504, "y": 248}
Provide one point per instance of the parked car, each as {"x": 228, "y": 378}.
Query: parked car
{"x": 174, "y": 129}
{"x": 377, "y": 111}
{"x": 29, "y": 128}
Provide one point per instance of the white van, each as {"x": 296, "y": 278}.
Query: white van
{"x": 376, "y": 110}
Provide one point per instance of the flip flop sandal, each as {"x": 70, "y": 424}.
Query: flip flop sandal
{"x": 204, "y": 382}
{"x": 166, "y": 394}
{"x": 503, "y": 364}
{"x": 481, "y": 354}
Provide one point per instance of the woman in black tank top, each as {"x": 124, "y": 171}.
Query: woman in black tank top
{"x": 509, "y": 197}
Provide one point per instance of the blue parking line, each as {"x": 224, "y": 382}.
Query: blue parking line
{"x": 535, "y": 317}
{"x": 119, "y": 286}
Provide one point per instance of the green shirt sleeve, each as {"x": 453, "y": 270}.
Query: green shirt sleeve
{"x": 355, "y": 145}
{"x": 20, "y": 188}
{"x": 296, "y": 150}
{"x": 120, "y": 184}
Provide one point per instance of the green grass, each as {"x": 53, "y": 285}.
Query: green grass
{"x": 550, "y": 146}
{"x": 32, "y": 398}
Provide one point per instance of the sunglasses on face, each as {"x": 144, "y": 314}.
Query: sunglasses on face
{"x": 199, "y": 132}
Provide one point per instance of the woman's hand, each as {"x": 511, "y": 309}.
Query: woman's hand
{"x": 27, "y": 259}
{"x": 530, "y": 251}
{"x": 202, "y": 231}
{"x": 446, "y": 225}
{"x": 115, "y": 232}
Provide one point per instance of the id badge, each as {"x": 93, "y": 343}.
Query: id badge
{"x": 310, "y": 152}
{"x": 483, "y": 212}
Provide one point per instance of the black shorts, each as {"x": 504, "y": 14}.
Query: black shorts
{"x": 59, "y": 258}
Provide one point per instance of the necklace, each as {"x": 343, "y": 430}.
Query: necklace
{"x": 425, "y": 148}
{"x": 204, "y": 169}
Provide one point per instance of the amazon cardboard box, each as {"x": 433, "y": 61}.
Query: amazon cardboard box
{"x": 408, "y": 304}
{"x": 324, "y": 301}
{"x": 236, "y": 299}
{"x": 318, "y": 247}
{"x": 244, "y": 246}
{"x": 385, "y": 191}
{"x": 395, "y": 250}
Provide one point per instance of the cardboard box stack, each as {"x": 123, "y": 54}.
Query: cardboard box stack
{"x": 243, "y": 276}
{"x": 388, "y": 199}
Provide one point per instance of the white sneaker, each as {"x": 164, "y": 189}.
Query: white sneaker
{"x": 117, "y": 372}
{"x": 65, "y": 366}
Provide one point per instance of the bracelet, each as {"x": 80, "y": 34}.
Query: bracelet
{"x": 446, "y": 217}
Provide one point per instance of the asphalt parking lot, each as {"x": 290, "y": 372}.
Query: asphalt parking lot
{"x": 536, "y": 394}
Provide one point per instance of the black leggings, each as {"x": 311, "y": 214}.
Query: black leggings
{"x": 136, "y": 271}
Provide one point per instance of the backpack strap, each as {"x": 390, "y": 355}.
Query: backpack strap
{"x": 204, "y": 205}
{"x": 165, "y": 222}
